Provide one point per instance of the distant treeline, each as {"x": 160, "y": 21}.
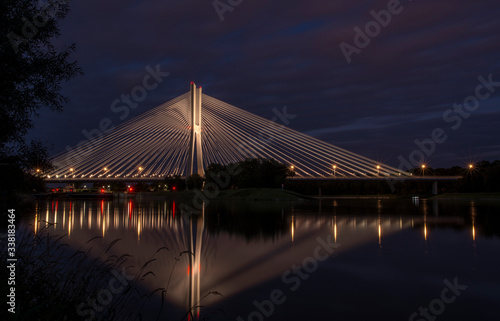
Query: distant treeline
{"x": 252, "y": 172}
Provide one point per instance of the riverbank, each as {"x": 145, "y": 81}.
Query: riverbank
{"x": 247, "y": 194}
{"x": 468, "y": 196}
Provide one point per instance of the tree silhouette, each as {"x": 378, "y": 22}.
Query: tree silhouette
{"x": 33, "y": 70}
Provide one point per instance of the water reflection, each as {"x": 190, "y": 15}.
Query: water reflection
{"x": 232, "y": 247}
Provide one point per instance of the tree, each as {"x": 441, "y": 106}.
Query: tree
{"x": 194, "y": 181}
{"x": 142, "y": 187}
{"x": 175, "y": 183}
{"x": 33, "y": 70}
{"x": 252, "y": 172}
{"x": 217, "y": 174}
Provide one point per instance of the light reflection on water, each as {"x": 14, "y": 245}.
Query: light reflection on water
{"x": 241, "y": 249}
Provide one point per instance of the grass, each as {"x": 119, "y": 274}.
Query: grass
{"x": 53, "y": 280}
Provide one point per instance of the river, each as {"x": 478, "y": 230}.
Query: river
{"x": 335, "y": 259}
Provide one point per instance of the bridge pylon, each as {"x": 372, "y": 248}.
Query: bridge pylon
{"x": 195, "y": 150}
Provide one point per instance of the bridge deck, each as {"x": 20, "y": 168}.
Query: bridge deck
{"x": 387, "y": 178}
{"x": 322, "y": 178}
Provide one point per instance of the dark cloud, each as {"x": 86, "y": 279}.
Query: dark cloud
{"x": 268, "y": 54}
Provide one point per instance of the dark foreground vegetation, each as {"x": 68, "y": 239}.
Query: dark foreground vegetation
{"x": 32, "y": 74}
{"x": 56, "y": 282}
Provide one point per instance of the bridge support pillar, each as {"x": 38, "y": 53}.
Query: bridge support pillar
{"x": 195, "y": 151}
{"x": 434, "y": 188}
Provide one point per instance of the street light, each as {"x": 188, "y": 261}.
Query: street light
{"x": 471, "y": 166}
{"x": 378, "y": 170}
{"x": 334, "y": 170}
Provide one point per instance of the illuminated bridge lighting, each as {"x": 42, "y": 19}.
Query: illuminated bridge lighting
{"x": 187, "y": 133}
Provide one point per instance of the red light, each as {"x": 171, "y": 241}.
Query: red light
{"x": 102, "y": 190}
{"x": 130, "y": 189}
{"x": 53, "y": 190}
{"x": 71, "y": 190}
{"x": 173, "y": 188}
{"x": 58, "y": 190}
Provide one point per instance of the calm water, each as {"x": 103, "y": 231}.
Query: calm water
{"x": 331, "y": 260}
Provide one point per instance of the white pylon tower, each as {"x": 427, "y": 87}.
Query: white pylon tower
{"x": 195, "y": 141}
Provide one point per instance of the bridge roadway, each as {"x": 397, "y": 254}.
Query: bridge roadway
{"x": 319, "y": 178}
{"x": 380, "y": 178}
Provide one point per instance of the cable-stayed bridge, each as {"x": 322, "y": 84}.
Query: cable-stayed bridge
{"x": 186, "y": 134}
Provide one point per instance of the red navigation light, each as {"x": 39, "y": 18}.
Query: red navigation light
{"x": 102, "y": 190}
{"x": 53, "y": 190}
{"x": 131, "y": 189}
{"x": 71, "y": 190}
{"x": 173, "y": 188}
{"x": 57, "y": 190}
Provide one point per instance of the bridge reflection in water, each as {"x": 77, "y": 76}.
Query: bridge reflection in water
{"x": 230, "y": 251}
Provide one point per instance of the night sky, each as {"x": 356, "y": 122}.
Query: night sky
{"x": 400, "y": 87}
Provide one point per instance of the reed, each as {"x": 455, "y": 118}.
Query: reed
{"x": 52, "y": 279}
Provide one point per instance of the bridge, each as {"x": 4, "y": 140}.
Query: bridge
{"x": 186, "y": 134}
